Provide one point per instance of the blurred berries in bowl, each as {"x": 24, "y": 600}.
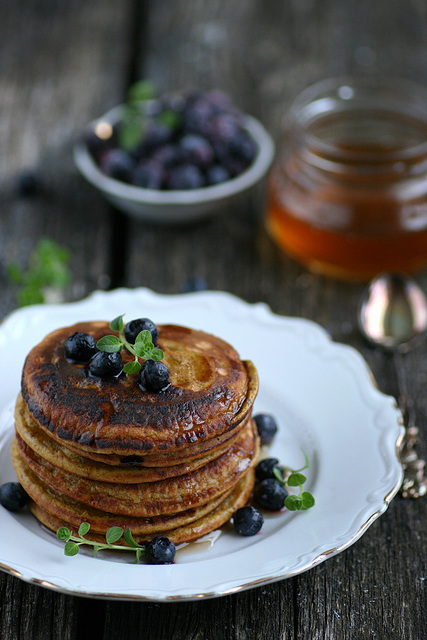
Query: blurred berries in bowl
{"x": 173, "y": 159}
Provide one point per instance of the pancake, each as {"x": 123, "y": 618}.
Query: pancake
{"x": 183, "y": 533}
{"x": 185, "y": 455}
{"x": 63, "y": 458}
{"x": 211, "y": 393}
{"x": 74, "y": 513}
{"x": 153, "y": 498}
{"x": 176, "y": 462}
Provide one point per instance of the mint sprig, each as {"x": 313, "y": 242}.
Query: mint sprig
{"x": 113, "y": 535}
{"x": 47, "y": 269}
{"x": 143, "y": 347}
{"x": 294, "y": 478}
{"x": 137, "y": 115}
{"x": 133, "y": 121}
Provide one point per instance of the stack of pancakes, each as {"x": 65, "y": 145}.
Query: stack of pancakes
{"x": 176, "y": 463}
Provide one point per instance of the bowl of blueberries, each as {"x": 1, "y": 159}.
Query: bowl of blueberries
{"x": 173, "y": 159}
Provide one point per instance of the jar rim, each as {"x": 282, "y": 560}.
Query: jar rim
{"x": 348, "y": 94}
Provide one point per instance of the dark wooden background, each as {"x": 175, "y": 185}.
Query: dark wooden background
{"x": 64, "y": 62}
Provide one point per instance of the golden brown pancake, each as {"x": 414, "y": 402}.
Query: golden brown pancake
{"x": 74, "y": 512}
{"x": 184, "y": 455}
{"x": 210, "y": 394}
{"x": 63, "y": 458}
{"x": 152, "y": 498}
{"x": 182, "y": 533}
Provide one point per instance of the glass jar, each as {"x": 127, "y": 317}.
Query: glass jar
{"x": 348, "y": 192}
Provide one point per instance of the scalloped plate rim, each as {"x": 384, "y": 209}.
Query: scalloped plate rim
{"x": 214, "y": 586}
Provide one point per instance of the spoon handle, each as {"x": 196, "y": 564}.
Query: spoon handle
{"x": 414, "y": 483}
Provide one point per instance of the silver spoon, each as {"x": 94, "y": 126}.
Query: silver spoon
{"x": 392, "y": 313}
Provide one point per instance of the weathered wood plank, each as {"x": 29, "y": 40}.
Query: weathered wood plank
{"x": 61, "y": 64}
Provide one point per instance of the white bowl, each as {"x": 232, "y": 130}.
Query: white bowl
{"x": 177, "y": 206}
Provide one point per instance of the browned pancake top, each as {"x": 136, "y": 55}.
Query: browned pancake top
{"x": 206, "y": 397}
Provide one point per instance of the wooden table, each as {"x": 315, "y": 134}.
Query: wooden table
{"x": 63, "y": 63}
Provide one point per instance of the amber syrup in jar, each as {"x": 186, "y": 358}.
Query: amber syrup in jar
{"x": 348, "y": 192}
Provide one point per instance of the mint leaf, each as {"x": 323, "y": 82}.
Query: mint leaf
{"x": 141, "y": 91}
{"x": 157, "y": 354}
{"x": 109, "y": 344}
{"x": 293, "y": 503}
{"x": 63, "y": 534}
{"x": 129, "y": 539}
{"x": 170, "y": 119}
{"x": 84, "y": 528}
{"x": 144, "y": 337}
{"x": 140, "y": 350}
{"x": 130, "y": 132}
{"x": 71, "y": 548}
{"x": 296, "y": 480}
{"x": 113, "y": 534}
{"x": 132, "y": 367}
{"x": 117, "y": 324}
{"x": 307, "y": 500}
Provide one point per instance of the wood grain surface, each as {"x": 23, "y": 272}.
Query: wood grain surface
{"x": 64, "y": 62}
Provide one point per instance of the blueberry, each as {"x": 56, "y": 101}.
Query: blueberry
{"x": 235, "y": 166}
{"x": 141, "y": 324}
{"x": 222, "y": 152}
{"x": 247, "y": 521}
{"x": 185, "y": 176}
{"x": 217, "y": 174}
{"x": 148, "y": 174}
{"x": 243, "y": 146}
{"x": 225, "y": 128}
{"x": 175, "y": 102}
{"x": 266, "y": 427}
{"x": 80, "y": 347}
{"x": 160, "y": 550}
{"x": 28, "y": 184}
{"x": 167, "y": 156}
{"x": 197, "y": 150}
{"x": 117, "y": 164}
{"x": 12, "y": 496}
{"x": 154, "y": 376}
{"x": 265, "y": 469}
{"x": 106, "y": 365}
{"x": 270, "y": 494}
{"x": 194, "y": 283}
{"x": 156, "y": 134}
{"x": 197, "y": 115}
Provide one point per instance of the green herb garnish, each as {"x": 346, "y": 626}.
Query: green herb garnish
{"x": 294, "y": 478}
{"x": 133, "y": 118}
{"x": 113, "y": 535}
{"x": 140, "y": 91}
{"x": 47, "y": 269}
{"x": 143, "y": 347}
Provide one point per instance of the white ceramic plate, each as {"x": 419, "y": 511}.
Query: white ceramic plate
{"x": 326, "y": 403}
